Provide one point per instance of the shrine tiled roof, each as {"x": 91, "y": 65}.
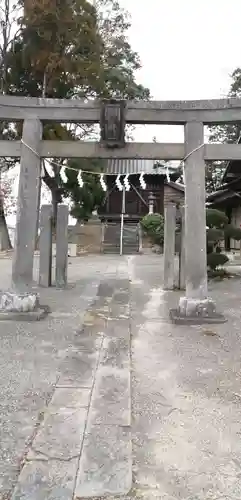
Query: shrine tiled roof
{"x": 133, "y": 166}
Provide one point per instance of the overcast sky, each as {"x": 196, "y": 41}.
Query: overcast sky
{"x": 188, "y": 49}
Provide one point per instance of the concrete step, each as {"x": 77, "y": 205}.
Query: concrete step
{"x": 125, "y": 251}
{"x": 111, "y": 245}
{"x": 111, "y": 251}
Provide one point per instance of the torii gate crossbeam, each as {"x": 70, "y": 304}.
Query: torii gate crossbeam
{"x": 212, "y": 111}
{"x": 135, "y": 150}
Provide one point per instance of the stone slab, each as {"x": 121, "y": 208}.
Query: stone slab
{"x": 60, "y": 435}
{"x": 122, "y": 297}
{"x": 45, "y": 246}
{"x": 68, "y": 397}
{"x": 179, "y": 319}
{"x": 118, "y": 328}
{"x": 106, "y": 463}
{"x": 89, "y": 339}
{"x": 111, "y": 400}
{"x": 78, "y": 370}
{"x": 115, "y": 353}
{"x": 111, "y": 403}
{"x": 52, "y": 480}
{"x": 119, "y": 311}
{"x": 97, "y": 318}
{"x": 62, "y": 245}
{"x": 169, "y": 246}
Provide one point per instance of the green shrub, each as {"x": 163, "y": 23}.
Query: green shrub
{"x": 214, "y": 235}
{"x": 232, "y": 232}
{"x": 216, "y": 218}
{"x": 218, "y": 229}
{"x": 216, "y": 259}
{"x": 153, "y": 227}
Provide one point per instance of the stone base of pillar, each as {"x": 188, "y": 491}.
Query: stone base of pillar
{"x": 21, "y": 307}
{"x": 196, "y": 312}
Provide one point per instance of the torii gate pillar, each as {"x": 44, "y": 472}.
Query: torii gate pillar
{"x": 22, "y": 302}
{"x": 195, "y": 307}
{"x": 27, "y": 212}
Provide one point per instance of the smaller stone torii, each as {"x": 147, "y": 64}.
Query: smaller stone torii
{"x": 112, "y": 116}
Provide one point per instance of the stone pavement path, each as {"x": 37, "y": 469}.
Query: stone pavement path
{"x": 85, "y": 433}
{"x": 180, "y": 438}
{"x": 47, "y": 372}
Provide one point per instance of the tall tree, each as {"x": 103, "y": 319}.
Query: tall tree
{"x": 10, "y": 11}
{"x": 86, "y": 199}
{"x": 119, "y": 61}
{"x": 227, "y": 133}
{"x": 61, "y": 46}
{"x": 57, "y": 55}
{"x": 72, "y": 49}
{"x": 214, "y": 173}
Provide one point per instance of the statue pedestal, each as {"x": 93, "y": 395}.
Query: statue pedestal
{"x": 21, "y": 307}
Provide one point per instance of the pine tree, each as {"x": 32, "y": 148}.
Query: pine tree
{"x": 224, "y": 133}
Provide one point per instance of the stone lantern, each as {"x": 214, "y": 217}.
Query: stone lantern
{"x": 151, "y": 200}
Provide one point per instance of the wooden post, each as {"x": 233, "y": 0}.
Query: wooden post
{"x": 45, "y": 246}
{"x": 182, "y": 260}
{"x": 169, "y": 246}
{"x": 62, "y": 245}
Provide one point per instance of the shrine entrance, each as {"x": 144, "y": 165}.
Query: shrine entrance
{"x": 113, "y": 116}
{"x": 129, "y": 197}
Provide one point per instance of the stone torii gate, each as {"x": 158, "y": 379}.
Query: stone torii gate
{"x": 113, "y": 115}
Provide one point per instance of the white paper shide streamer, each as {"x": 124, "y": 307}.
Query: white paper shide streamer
{"x": 80, "y": 180}
{"x": 142, "y": 181}
{"x": 126, "y": 183}
{"x": 42, "y": 175}
{"x": 118, "y": 183}
{"x": 63, "y": 175}
{"x": 102, "y": 182}
{"x": 168, "y": 175}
